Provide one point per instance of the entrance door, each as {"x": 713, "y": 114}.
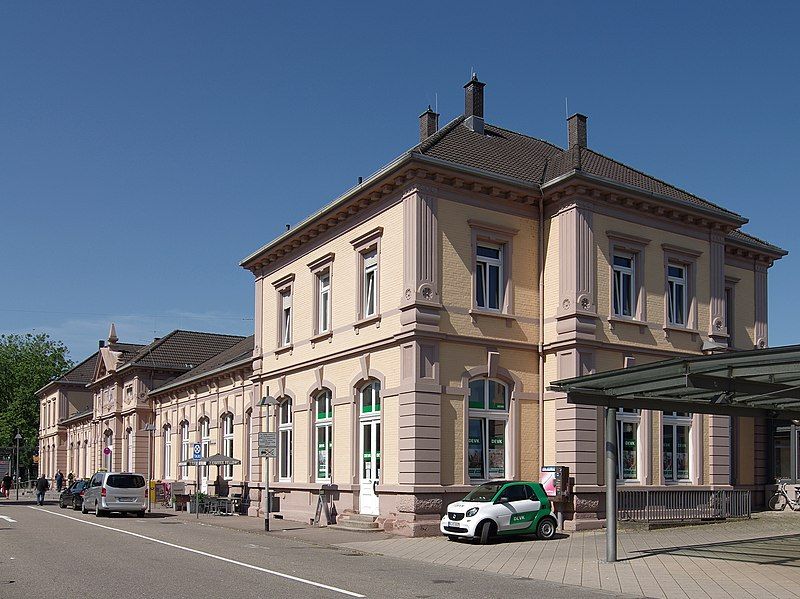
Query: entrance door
{"x": 370, "y": 465}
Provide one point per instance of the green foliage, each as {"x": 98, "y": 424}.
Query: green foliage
{"x": 27, "y": 363}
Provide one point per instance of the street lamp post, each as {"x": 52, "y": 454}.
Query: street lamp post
{"x": 17, "y": 438}
{"x": 266, "y": 402}
{"x": 149, "y": 428}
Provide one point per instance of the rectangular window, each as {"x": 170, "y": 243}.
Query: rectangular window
{"x": 675, "y": 446}
{"x": 286, "y": 318}
{"x": 324, "y": 303}
{"x": 489, "y": 277}
{"x": 370, "y": 284}
{"x": 676, "y": 284}
{"x": 623, "y": 291}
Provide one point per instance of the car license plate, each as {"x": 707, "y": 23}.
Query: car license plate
{"x": 453, "y": 524}
{"x": 126, "y": 499}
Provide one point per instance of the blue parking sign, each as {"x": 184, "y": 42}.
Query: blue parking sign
{"x": 197, "y": 451}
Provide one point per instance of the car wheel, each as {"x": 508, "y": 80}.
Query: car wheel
{"x": 487, "y": 532}
{"x": 61, "y": 503}
{"x": 97, "y": 511}
{"x": 546, "y": 529}
{"x": 75, "y": 505}
{"x": 452, "y": 538}
{"x": 140, "y": 514}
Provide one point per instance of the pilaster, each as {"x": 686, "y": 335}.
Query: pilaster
{"x": 577, "y": 306}
{"x": 761, "y": 337}
{"x": 716, "y": 326}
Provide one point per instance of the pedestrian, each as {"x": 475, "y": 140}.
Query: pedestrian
{"x": 42, "y": 485}
{"x": 7, "y": 481}
{"x": 70, "y": 479}
{"x": 59, "y": 480}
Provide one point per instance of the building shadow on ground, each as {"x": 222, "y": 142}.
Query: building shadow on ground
{"x": 783, "y": 550}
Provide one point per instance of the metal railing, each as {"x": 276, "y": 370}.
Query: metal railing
{"x": 675, "y": 505}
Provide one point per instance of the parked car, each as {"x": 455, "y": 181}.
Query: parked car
{"x": 115, "y": 492}
{"x": 73, "y": 495}
{"x": 500, "y": 508}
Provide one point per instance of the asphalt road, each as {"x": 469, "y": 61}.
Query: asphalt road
{"x": 52, "y": 553}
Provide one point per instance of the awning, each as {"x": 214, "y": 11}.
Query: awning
{"x": 763, "y": 382}
{"x": 217, "y": 459}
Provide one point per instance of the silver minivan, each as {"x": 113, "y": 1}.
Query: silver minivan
{"x": 115, "y": 492}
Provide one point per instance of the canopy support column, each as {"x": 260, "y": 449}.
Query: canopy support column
{"x": 611, "y": 485}
{"x": 793, "y": 453}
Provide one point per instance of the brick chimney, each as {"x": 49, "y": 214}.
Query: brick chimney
{"x": 473, "y": 104}
{"x": 428, "y": 124}
{"x": 576, "y": 130}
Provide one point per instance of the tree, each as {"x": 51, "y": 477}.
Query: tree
{"x": 27, "y": 363}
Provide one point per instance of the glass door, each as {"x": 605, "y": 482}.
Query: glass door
{"x": 370, "y": 466}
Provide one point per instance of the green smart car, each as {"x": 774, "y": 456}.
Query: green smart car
{"x": 500, "y": 508}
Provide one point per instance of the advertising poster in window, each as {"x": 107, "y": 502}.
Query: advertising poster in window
{"x": 497, "y": 449}
{"x": 497, "y": 396}
{"x": 475, "y": 449}
{"x": 668, "y": 457}
{"x": 682, "y": 453}
{"x": 628, "y": 450}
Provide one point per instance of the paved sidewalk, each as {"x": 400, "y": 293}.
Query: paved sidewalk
{"x": 755, "y": 558}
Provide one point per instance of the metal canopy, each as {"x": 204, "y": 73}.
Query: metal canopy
{"x": 763, "y": 382}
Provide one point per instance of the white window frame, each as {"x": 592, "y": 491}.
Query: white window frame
{"x": 129, "y": 456}
{"x": 248, "y": 445}
{"x": 485, "y": 415}
{"x": 285, "y": 440}
{"x": 227, "y": 444}
{"x": 326, "y": 426}
{"x": 629, "y": 416}
{"x": 167, "y": 432}
{"x": 185, "y": 455}
{"x": 109, "y": 459}
{"x": 686, "y": 258}
{"x": 677, "y": 286}
{"x": 370, "y": 282}
{"x": 364, "y": 246}
{"x": 286, "y": 317}
{"x": 324, "y": 302}
{"x": 485, "y": 263}
{"x": 675, "y": 421}
{"x": 205, "y": 441}
{"x": 618, "y": 276}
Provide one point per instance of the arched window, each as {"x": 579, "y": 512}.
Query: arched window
{"x": 184, "y": 448}
{"x": 227, "y": 443}
{"x": 108, "y": 450}
{"x": 285, "y": 439}
{"x": 488, "y": 424}
{"x": 129, "y": 450}
{"x": 167, "y": 451}
{"x": 323, "y": 426}
{"x": 248, "y": 445}
{"x": 205, "y": 441}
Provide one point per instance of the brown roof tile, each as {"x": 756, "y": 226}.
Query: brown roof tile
{"x": 182, "y": 350}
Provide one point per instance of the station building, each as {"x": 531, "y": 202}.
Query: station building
{"x": 410, "y": 328}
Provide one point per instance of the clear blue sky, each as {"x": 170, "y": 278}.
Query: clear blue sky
{"x": 146, "y": 147}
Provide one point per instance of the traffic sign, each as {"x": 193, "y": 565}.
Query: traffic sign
{"x": 106, "y": 451}
{"x": 197, "y": 451}
{"x": 268, "y": 452}
{"x": 267, "y": 440}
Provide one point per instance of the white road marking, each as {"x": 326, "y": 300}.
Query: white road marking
{"x": 6, "y": 518}
{"x": 205, "y": 554}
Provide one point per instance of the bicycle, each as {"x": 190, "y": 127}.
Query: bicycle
{"x": 781, "y": 499}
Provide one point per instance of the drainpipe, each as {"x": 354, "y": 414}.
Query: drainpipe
{"x": 541, "y": 330}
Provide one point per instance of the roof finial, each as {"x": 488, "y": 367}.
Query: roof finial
{"x": 112, "y": 334}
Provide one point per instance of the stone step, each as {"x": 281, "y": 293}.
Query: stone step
{"x": 356, "y": 525}
{"x": 360, "y": 517}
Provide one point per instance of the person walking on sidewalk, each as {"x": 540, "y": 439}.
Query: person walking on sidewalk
{"x": 59, "y": 480}
{"x": 7, "y": 482}
{"x": 42, "y": 485}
